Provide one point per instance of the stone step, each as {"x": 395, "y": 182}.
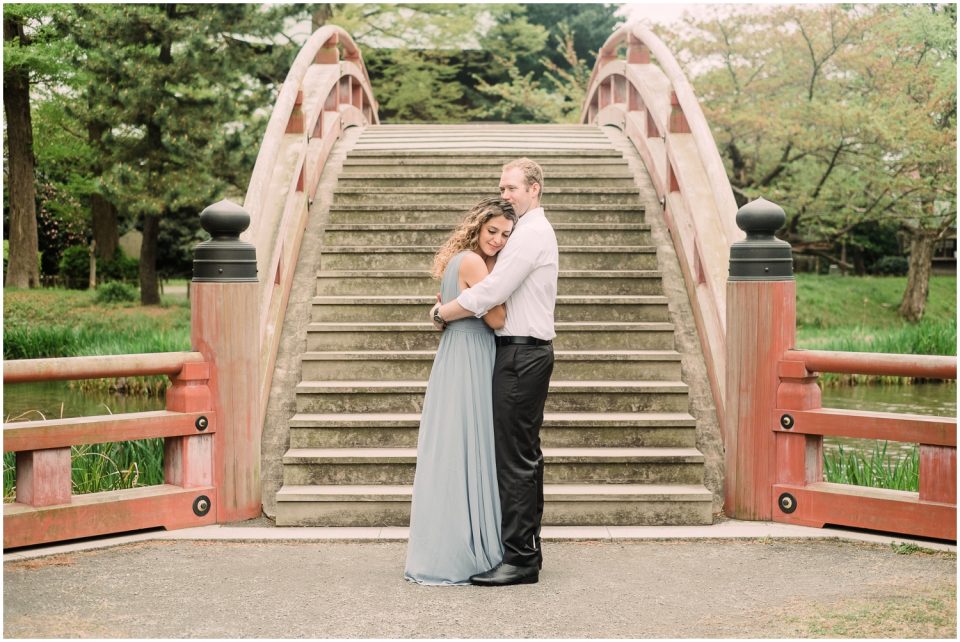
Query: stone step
{"x": 425, "y": 180}
{"x": 546, "y": 157}
{"x": 434, "y": 235}
{"x": 415, "y": 308}
{"x": 422, "y": 336}
{"x": 560, "y": 430}
{"x": 646, "y": 365}
{"x": 305, "y": 466}
{"x": 452, "y": 213}
{"x": 564, "y": 505}
{"x": 418, "y": 257}
{"x": 326, "y": 397}
{"x": 470, "y": 196}
{"x": 534, "y": 139}
{"x": 570, "y": 282}
{"x": 606, "y": 165}
{"x": 532, "y": 146}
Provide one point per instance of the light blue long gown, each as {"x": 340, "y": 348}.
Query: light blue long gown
{"x": 455, "y": 514}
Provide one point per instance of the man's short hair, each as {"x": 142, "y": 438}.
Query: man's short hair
{"x": 532, "y": 172}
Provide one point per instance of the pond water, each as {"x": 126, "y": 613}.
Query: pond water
{"x": 938, "y": 399}
{"x": 58, "y": 399}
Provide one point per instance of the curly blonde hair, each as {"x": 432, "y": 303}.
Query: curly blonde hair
{"x": 466, "y": 236}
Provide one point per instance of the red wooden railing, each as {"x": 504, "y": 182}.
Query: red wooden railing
{"x": 648, "y": 97}
{"x": 775, "y": 422}
{"x": 799, "y": 425}
{"x": 45, "y": 509}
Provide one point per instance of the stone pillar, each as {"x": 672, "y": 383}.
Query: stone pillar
{"x": 226, "y": 330}
{"x": 761, "y": 325}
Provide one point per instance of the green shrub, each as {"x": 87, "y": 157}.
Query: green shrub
{"x": 120, "y": 268}
{"x": 75, "y": 267}
{"x": 115, "y": 292}
{"x": 891, "y": 266}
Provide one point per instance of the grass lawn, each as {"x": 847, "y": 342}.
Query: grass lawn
{"x": 859, "y": 314}
{"x": 66, "y": 323}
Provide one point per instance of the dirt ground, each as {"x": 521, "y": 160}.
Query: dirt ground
{"x": 591, "y": 589}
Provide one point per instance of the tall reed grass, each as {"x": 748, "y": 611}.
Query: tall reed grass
{"x": 102, "y": 467}
{"x": 875, "y": 468}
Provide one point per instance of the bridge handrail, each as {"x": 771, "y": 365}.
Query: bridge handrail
{"x": 875, "y": 363}
{"x": 98, "y": 367}
{"x": 320, "y": 96}
{"x": 690, "y": 106}
{"x": 798, "y": 425}
{"x": 656, "y": 108}
{"x": 45, "y": 508}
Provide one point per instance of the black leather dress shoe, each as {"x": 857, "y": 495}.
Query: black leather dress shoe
{"x": 506, "y": 574}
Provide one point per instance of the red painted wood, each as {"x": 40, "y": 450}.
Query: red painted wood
{"x": 863, "y": 424}
{"x": 637, "y": 52}
{"x": 871, "y": 363}
{"x": 761, "y": 324}
{"x": 652, "y": 130}
{"x": 938, "y": 473}
{"x": 876, "y": 509}
{"x": 104, "y": 513}
{"x": 69, "y": 368}
{"x": 226, "y": 329}
{"x": 295, "y": 124}
{"x": 188, "y": 461}
{"x": 190, "y": 391}
{"x": 63, "y": 433}
{"x": 328, "y": 54}
{"x": 678, "y": 122}
{"x": 43, "y": 477}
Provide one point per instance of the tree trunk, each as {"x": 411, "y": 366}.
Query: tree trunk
{"x": 103, "y": 212}
{"x": 321, "y": 15}
{"x": 918, "y": 276}
{"x": 92, "y": 277}
{"x": 149, "y": 289}
{"x": 23, "y": 270}
{"x": 105, "y": 230}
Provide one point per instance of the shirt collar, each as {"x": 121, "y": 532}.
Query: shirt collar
{"x": 536, "y": 212}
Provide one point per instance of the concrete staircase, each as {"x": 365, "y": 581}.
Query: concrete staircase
{"x": 618, "y": 440}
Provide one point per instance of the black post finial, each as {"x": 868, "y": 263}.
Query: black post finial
{"x": 761, "y": 256}
{"x": 224, "y": 258}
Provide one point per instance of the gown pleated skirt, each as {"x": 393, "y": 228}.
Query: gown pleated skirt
{"x": 455, "y": 512}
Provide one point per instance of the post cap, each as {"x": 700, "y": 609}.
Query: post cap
{"x": 761, "y": 256}
{"x": 224, "y": 258}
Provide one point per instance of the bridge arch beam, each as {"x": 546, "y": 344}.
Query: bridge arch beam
{"x": 326, "y": 91}
{"x": 645, "y": 94}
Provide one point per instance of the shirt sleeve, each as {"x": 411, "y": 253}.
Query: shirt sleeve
{"x": 507, "y": 275}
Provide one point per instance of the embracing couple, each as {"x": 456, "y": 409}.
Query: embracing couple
{"x": 478, "y": 491}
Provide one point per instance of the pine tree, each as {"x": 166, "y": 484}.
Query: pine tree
{"x": 174, "y": 91}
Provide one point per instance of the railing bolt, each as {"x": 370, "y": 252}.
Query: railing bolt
{"x": 786, "y": 421}
{"x": 202, "y": 423}
{"x": 787, "y": 502}
{"x": 201, "y": 506}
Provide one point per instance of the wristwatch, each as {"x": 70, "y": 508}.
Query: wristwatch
{"x": 437, "y": 318}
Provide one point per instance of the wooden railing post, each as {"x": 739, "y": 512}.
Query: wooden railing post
{"x": 226, "y": 330}
{"x": 761, "y": 325}
{"x": 188, "y": 461}
{"x": 43, "y": 477}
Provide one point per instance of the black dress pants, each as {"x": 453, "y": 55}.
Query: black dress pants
{"x": 521, "y": 377}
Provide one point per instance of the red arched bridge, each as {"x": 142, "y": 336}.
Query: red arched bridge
{"x": 310, "y": 353}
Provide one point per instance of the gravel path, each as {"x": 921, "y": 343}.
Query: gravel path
{"x": 591, "y": 589}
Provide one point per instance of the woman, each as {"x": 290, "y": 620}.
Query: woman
{"x": 455, "y": 513}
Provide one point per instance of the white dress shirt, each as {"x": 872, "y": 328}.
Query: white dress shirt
{"x": 525, "y": 277}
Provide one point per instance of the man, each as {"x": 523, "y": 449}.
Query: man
{"x": 525, "y": 277}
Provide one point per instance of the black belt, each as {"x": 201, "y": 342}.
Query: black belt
{"x": 524, "y": 341}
